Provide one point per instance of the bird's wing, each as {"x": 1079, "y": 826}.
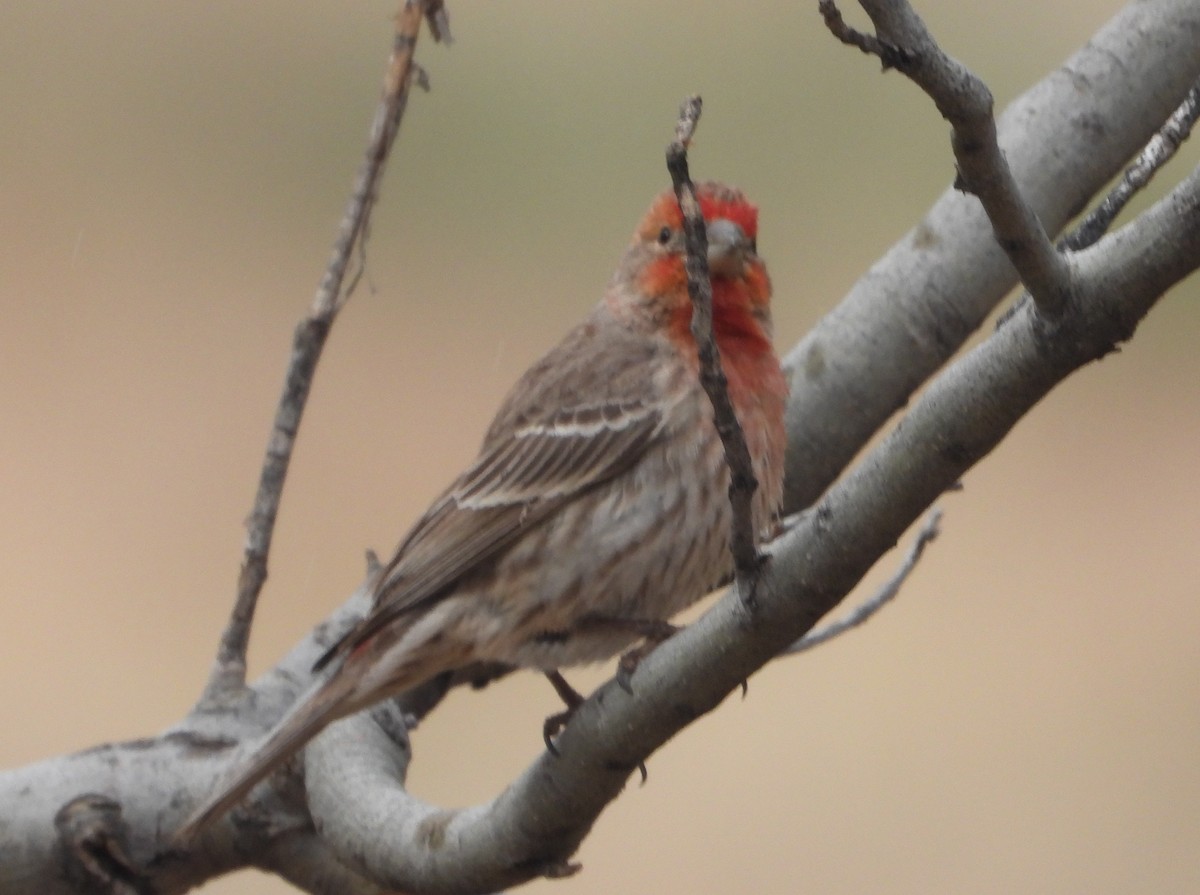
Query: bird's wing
{"x": 512, "y": 486}
{"x": 552, "y": 440}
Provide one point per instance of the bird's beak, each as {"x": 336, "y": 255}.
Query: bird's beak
{"x": 728, "y": 247}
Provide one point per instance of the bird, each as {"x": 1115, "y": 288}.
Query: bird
{"x": 597, "y": 507}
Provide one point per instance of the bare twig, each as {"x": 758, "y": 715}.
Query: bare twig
{"x": 929, "y": 531}
{"x": 742, "y": 483}
{"x": 438, "y": 19}
{"x": 1158, "y": 152}
{"x": 891, "y": 56}
{"x": 902, "y": 41}
{"x": 229, "y": 671}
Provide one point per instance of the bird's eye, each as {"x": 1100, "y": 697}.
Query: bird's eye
{"x": 664, "y": 236}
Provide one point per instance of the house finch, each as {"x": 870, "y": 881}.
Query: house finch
{"x": 598, "y": 504}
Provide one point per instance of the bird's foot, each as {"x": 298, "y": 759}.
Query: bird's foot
{"x": 653, "y": 633}
{"x": 554, "y": 724}
{"x": 572, "y": 698}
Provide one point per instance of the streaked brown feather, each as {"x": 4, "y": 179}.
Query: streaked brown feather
{"x": 539, "y": 453}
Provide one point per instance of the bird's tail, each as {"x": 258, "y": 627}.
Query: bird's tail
{"x": 320, "y": 706}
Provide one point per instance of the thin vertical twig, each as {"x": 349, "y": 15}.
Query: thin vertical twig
{"x": 229, "y": 669}
{"x": 742, "y": 483}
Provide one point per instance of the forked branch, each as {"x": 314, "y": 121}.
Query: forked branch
{"x": 903, "y": 42}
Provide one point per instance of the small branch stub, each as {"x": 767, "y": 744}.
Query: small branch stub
{"x": 891, "y": 56}
{"x": 95, "y": 845}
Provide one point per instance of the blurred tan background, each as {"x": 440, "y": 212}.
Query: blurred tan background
{"x": 1025, "y": 718}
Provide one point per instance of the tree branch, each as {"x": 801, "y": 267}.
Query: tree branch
{"x": 1160, "y": 150}
{"x": 891, "y": 588}
{"x": 95, "y": 843}
{"x": 742, "y": 482}
{"x": 965, "y": 101}
{"x": 306, "y": 861}
{"x": 229, "y": 670}
{"x": 1063, "y": 139}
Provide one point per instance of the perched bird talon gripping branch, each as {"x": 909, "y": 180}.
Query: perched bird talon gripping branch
{"x": 599, "y": 493}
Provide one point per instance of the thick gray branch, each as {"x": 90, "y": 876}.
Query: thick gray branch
{"x": 916, "y": 306}
{"x": 865, "y": 611}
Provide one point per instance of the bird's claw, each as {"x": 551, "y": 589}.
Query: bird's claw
{"x": 626, "y": 666}
{"x": 551, "y": 728}
{"x": 572, "y": 698}
{"x": 653, "y": 633}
